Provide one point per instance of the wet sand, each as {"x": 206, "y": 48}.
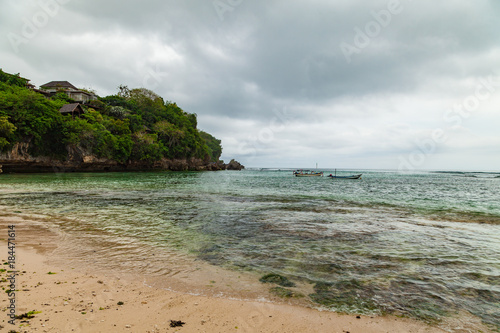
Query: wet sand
{"x": 82, "y": 298}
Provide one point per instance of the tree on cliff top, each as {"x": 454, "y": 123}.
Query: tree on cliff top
{"x": 135, "y": 124}
{"x": 214, "y": 146}
{"x": 13, "y": 79}
{"x": 37, "y": 119}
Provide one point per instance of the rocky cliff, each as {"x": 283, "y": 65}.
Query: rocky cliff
{"x": 234, "y": 165}
{"x": 19, "y": 160}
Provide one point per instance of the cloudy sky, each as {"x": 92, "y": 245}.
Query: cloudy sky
{"x": 346, "y": 84}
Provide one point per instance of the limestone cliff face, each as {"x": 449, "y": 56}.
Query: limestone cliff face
{"x": 19, "y": 160}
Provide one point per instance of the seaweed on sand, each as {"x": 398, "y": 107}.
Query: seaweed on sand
{"x": 277, "y": 279}
{"x": 344, "y": 295}
{"x": 28, "y": 315}
{"x": 176, "y": 323}
{"x": 285, "y": 293}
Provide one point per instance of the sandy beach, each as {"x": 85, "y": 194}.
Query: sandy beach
{"x": 67, "y": 297}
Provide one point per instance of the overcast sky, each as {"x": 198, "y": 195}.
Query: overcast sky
{"x": 345, "y": 84}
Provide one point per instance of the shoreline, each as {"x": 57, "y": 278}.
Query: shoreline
{"x": 85, "y": 299}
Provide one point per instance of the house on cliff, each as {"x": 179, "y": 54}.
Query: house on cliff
{"x": 80, "y": 96}
{"x": 74, "y": 109}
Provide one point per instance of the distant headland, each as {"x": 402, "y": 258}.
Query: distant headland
{"x": 61, "y": 128}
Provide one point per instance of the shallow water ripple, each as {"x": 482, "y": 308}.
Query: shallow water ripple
{"x": 423, "y": 245}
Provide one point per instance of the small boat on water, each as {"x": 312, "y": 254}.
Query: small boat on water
{"x": 307, "y": 173}
{"x": 346, "y": 177}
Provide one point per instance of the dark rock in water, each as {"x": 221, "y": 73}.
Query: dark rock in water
{"x": 176, "y": 323}
{"x": 277, "y": 279}
{"x": 215, "y": 166}
{"x": 234, "y": 165}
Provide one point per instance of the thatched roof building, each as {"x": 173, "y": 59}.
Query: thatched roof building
{"x": 75, "y": 109}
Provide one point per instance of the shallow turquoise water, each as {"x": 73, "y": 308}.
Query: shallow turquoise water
{"x": 412, "y": 244}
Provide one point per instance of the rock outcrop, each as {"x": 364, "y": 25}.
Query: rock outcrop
{"x": 234, "y": 165}
{"x": 19, "y": 160}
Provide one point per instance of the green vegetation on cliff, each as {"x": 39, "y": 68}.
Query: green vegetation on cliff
{"x": 133, "y": 125}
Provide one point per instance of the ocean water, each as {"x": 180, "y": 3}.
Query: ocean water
{"x": 424, "y": 245}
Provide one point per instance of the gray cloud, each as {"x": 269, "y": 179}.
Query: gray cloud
{"x": 235, "y": 67}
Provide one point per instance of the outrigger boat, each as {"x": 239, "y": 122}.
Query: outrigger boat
{"x": 345, "y": 177}
{"x": 307, "y": 173}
